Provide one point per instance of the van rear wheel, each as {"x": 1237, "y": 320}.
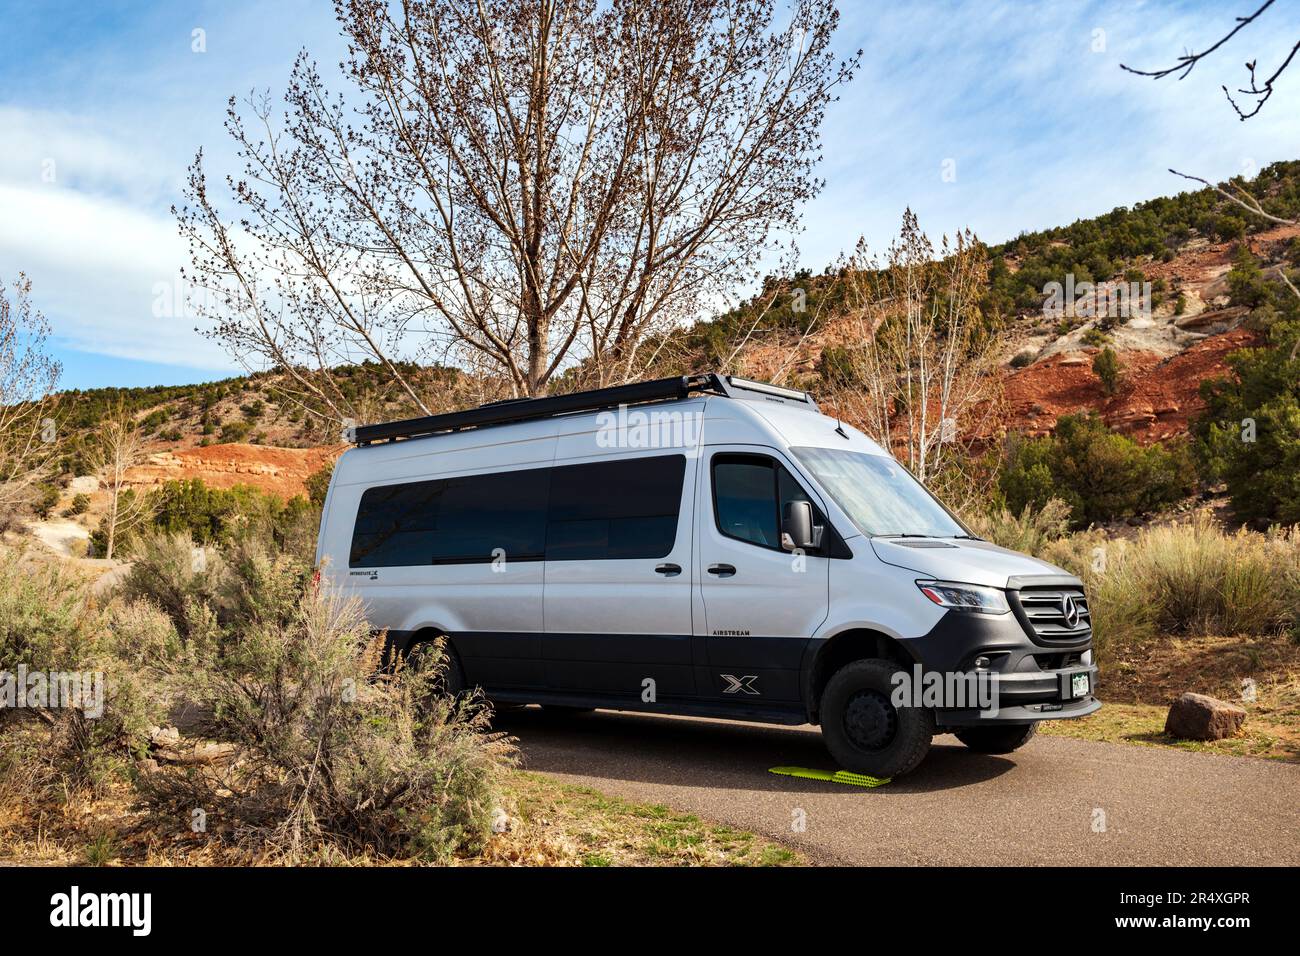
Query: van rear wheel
{"x": 996, "y": 740}
{"x": 863, "y": 730}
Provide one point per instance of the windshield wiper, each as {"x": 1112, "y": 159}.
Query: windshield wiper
{"x": 902, "y": 534}
{"x": 967, "y": 537}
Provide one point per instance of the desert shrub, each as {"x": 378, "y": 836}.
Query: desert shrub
{"x": 327, "y": 750}
{"x": 1022, "y": 359}
{"x": 1203, "y": 581}
{"x": 1105, "y": 365}
{"x": 1246, "y": 283}
{"x": 1030, "y": 531}
{"x": 170, "y": 572}
{"x": 47, "y": 499}
{"x": 1192, "y": 579}
{"x": 211, "y": 515}
{"x": 80, "y": 504}
{"x": 1099, "y": 473}
{"x": 318, "y": 485}
{"x": 1096, "y": 337}
{"x": 1250, "y": 434}
{"x": 234, "y": 431}
{"x": 47, "y": 620}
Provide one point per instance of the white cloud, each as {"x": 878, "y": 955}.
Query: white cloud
{"x": 97, "y": 265}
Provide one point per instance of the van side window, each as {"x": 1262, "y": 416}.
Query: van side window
{"x": 748, "y": 494}
{"x": 744, "y": 498}
{"x": 452, "y": 521}
{"x": 615, "y": 509}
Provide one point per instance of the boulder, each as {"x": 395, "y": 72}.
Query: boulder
{"x": 84, "y": 485}
{"x": 1200, "y": 717}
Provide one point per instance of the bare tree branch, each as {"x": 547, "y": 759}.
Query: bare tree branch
{"x": 1188, "y": 61}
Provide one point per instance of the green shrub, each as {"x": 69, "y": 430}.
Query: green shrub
{"x": 1246, "y": 283}
{"x": 212, "y": 515}
{"x": 1250, "y": 434}
{"x": 235, "y": 431}
{"x": 1105, "y": 365}
{"x": 45, "y": 616}
{"x": 1101, "y": 474}
{"x": 80, "y": 505}
{"x": 1096, "y": 338}
{"x": 47, "y": 499}
{"x": 318, "y": 484}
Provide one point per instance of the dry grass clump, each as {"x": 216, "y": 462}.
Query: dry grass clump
{"x": 1190, "y": 579}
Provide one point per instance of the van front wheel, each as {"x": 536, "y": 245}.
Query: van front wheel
{"x": 864, "y": 731}
{"x": 996, "y": 740}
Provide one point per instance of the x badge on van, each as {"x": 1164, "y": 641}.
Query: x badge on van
{"x": 736, "y": 684}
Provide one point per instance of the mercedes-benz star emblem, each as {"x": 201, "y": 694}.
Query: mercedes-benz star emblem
{"x": 1070, "y": 611}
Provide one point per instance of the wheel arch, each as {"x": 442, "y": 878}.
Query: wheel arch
{"x": 825, "y": 656}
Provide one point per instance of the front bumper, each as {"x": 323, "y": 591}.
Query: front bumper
{"x": 1033, "y": 682}
{"x": 1021, "y": 714}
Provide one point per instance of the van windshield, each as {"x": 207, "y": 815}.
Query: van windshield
{"x": 878, "y": 494}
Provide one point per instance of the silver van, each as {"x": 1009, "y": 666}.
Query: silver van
{"x": 703, "y": 545}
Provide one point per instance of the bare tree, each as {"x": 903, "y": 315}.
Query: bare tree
{"x": 28, "y": 377}
{"x": 118, "y": 446}
{"x": 921, "y": 383}
{"x": 1260, "y": 89}
{"x": 529, "y": 182}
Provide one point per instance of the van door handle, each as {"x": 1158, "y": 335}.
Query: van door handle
{"x": 722, "y": 570}
{"x": 669, "y": 570}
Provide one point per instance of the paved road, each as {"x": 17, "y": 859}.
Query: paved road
{"x": 1037, "y": 806}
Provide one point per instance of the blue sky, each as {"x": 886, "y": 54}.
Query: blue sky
{"x": 103, "y": 104}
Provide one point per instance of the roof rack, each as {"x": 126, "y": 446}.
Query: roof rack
{"x": 526, "y": 409}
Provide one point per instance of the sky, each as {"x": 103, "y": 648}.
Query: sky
{"x": 1001, "y": 117}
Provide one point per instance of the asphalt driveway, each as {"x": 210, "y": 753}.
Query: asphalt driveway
{"x": 1058, "y": 801}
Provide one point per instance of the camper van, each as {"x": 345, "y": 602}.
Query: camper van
{"x": 707, "y": 546}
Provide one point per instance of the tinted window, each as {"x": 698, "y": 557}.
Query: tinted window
{"x": 615, "y": 509}
{"x": 452, "y": 520}
{"x": 749, "y": 492}
{"x": 744, "y": 496}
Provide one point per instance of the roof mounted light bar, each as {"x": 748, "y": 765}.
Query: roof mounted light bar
{"x": 767, "y": 388}
{"x": 519, "y": 410}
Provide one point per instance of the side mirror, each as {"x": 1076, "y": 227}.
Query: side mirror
{"x": 797, "y": 531}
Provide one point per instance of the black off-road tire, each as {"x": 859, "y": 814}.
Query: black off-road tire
{"x": 863, "y": 730}
{"x": 997, "y": 740}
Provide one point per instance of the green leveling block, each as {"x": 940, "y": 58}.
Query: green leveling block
{"x": 839, "y": 776}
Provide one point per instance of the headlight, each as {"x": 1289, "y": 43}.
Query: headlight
{"x": 965, "y": 597}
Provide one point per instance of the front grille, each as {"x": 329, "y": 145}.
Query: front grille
{"x": 1043, "y": 613}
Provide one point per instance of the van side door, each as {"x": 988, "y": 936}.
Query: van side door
{"x": 760, "y": 603}
{"x": 617, "y": 591}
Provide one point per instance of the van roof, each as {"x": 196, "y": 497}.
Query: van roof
{"x": 512, "y": 411}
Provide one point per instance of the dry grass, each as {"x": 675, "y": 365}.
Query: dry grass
{"x": 566, "y": 825}
{"x": 550, "y": 824}
{"x": 1139, "y": 686}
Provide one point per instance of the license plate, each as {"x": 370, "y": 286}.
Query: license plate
{"x": 1079, "y": 685}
